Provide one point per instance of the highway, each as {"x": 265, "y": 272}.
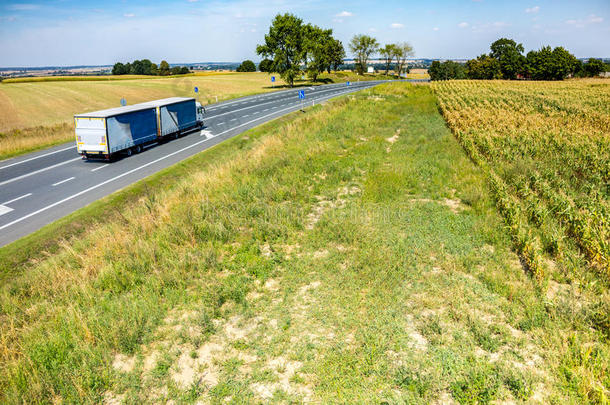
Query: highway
{"x": 39, "y": 188}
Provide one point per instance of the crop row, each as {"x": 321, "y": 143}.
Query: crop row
{"x": 546, "y": 150}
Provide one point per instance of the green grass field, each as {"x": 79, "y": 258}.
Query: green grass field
{"x": 352, "y": 254}
{"x": 39, "y": 113}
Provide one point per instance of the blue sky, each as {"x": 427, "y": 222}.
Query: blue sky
{"x": 69, "y": 32}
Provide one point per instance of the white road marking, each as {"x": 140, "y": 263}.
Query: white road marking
{"x": 234, "y": 119}
{"x": 5, "y": 210}
{"x": 99, "y": 168}
{"x": 38, "y": 171}
{"x": 220, "y": 123}
{"x": 48, "y": 207}
{"x": 206, "y": 133}
{"x": 62, "y": 182}
{"x": 37, "y": 157}
{"x": 16, "y": 199}
{"x": 260, "y": 105}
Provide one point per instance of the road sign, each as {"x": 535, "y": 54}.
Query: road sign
{"x": 272, "y": 79}
{"x": 123, "y": 102}
{"x": 348, "y": 83}
{"x": 301, "y": 94}
{"x": 196, "y": 89}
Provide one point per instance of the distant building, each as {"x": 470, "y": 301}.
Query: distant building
{"x": 371, "y": 69}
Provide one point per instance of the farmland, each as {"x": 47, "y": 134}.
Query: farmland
{"x": 546, "y": 149}
{"x": 39, "y": 113}
{"x": 351, "y": 254}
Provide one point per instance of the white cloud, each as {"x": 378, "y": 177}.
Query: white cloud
{"x": 532, "y": 10}
{"x": 344, "y": 14}
{"x": 435, "y": 29}
{"x": 581, "y": 23}
{"x": 372, "y": 29}
{"x": 129, "y": 15}
{"x": 338, "y": 20}
{"x": 397, "y": 25}
{"x": 22, "y": 7}
{"x": 463, "y": 25}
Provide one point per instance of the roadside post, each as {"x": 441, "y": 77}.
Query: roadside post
{"x": 123, "y": 102}
{"x": 302, "y": 98}
{"x": 272, "y": 81}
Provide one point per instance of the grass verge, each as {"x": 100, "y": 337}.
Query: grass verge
{"x": 352, "y": 254}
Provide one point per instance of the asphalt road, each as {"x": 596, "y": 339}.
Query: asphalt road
{"x": 41, "y": 187}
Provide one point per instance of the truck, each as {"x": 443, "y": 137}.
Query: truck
{"x": 128, "y": 129}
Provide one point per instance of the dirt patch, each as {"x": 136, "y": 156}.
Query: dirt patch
{"x": 311, "y": 286}
{"x": 394, "y": 138}
{"x": 272, "y": 285}
{"x": 123, "y": 363}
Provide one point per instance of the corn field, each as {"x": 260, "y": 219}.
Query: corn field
{"x": 545, "y": 147}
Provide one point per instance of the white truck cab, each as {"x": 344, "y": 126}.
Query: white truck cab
{"x": 200, "y": 112}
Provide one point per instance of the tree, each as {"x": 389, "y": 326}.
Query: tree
{"x": 336, "y": 54}
{"x": 509, "y": 55}
{"x": 446, "y": 71}
{"x": 154, "y": 70}
{"x": 265, "y": 65}
{"x": 184, "y": 70}
{"x": 387, "y": 53}
{"x": 547, "y": 64}
{"x": 363, "y": 46}
{"x": 593, "y": 67}
{"x": 164, "y": 68}
{"x": 284, "y": 44}
{"x": 247, "y": 66}
{"x": 318, "y": 43}
{"x": 119, "y": 69}
{"x": 401, "y": 53}
{"x": 483, "y": 68}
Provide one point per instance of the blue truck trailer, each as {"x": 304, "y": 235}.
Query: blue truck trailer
{"x": 128, "y": 129}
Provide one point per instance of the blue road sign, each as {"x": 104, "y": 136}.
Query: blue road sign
{"x": 196, "y": 89}
{"x": 301, "y": 94}
{"x": 348, "y": 83}
{"x": 272, "y": 79}
{"x": 123, "y": 102}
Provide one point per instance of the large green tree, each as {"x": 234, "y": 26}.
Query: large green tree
{"x": 266, "y": 65}
{"x": 447, "y": 70}
{"x": 284, "y": 45}
{"x": 247, "y": 66}
{"x": 510, "y": 56}
{"x": 484, "y": 67}
{"x": 318, "y": 43}
{"x": 336, "y": 54}
{"x": 547, "y": 64}
{"x": 363, "y": 46}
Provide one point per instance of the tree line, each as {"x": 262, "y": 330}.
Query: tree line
{"x": 364, "y": 46}
{"x": 146, "y": 67}
{"x": 292, "y": 47}
{"x": 506, "y": 60}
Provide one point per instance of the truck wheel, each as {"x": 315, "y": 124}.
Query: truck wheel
{"x": 138, "y": 148}
{"x": 176, "y": 135}
{"x": 128, "y": 152}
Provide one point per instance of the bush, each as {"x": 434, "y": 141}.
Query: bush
{"x": 266, "y": 65}
{"x": 247, "y": 66}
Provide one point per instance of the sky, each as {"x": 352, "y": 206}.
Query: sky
{"x": 84, "y": 32}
